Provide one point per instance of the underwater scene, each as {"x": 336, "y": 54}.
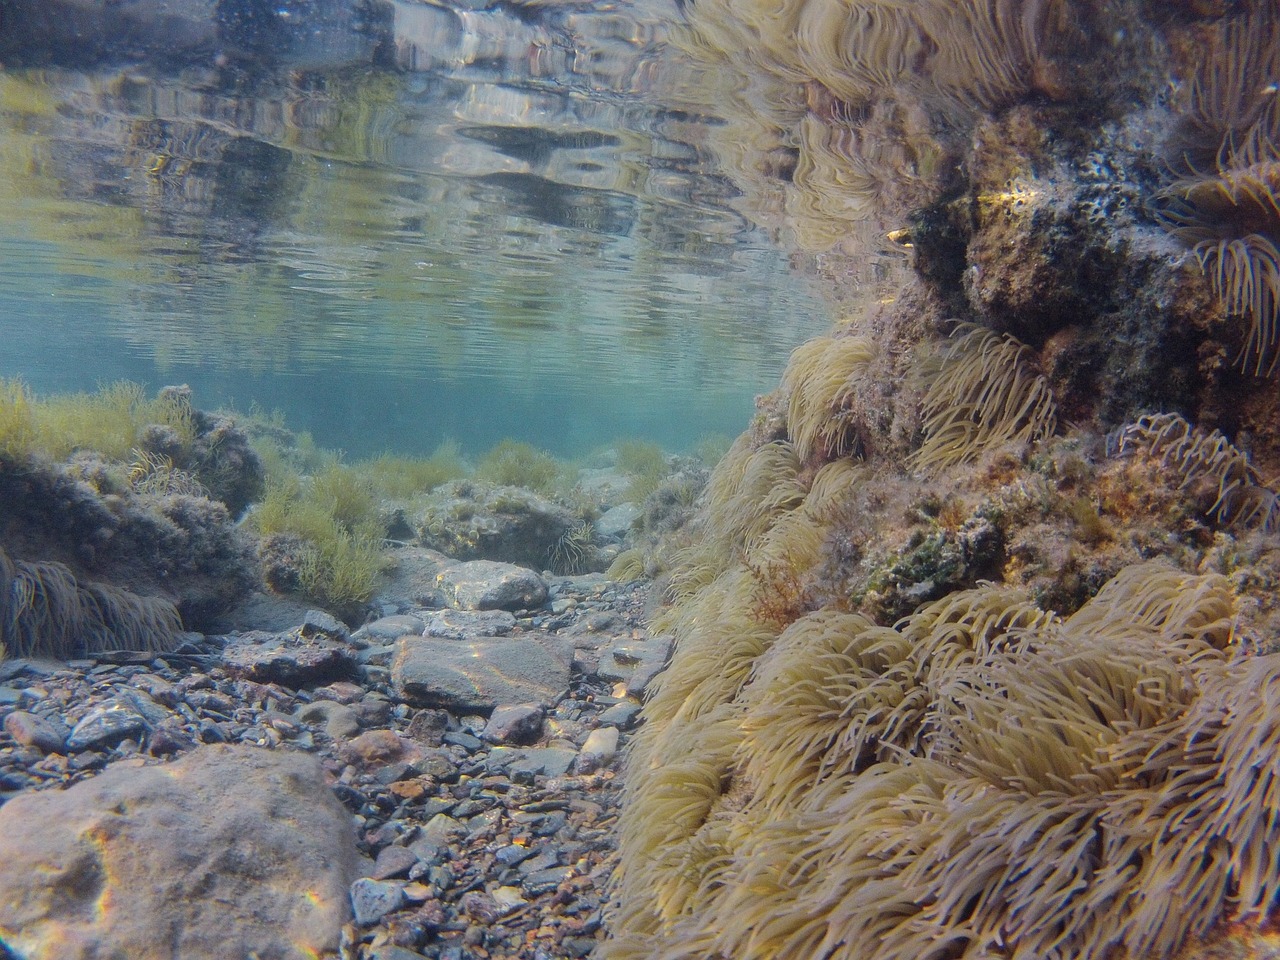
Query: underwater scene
{"x": 640, "y": 480}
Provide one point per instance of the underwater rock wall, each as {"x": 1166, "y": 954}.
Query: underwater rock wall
{"x": 975, "y": 629}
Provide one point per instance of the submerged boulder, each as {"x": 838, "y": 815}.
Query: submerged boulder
{"x": 226, "y": 853}
{"x": 471, "y": 520}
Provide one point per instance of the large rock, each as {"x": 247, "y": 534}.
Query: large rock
{"x": 472, "y": 520}
{"x": 479, "y": 674}
{"x": 291, "y": 659}
{"x": 227, "y": 853}
{"x": 490, "y": 585}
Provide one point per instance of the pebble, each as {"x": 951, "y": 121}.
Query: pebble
{"x": 601, "y": 745}
{"x": 371, "y": 900}
{"x": 621, "y": 715}
{"x": 32, "y": 731}
{"x": 516, "y": 723}
{"x": 109, "y": 723}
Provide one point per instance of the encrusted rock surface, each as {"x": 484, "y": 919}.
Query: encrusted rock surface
{"x": 228, "y": 852}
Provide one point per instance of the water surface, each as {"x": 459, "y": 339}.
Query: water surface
{"x": 428, "y": 222}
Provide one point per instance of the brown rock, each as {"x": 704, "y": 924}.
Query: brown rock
{"x": 228, "y": 852}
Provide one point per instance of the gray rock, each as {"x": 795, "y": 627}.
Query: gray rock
{"x": 541, "y": 761}
{"x": 621, "y": 715}
{"x": 289, "y": 659}
{"x": 389, "y": 628}
{"x": 393, "y": 861}
{"x": 340, "y": 721}
{"x": 428, "y": 726}
{"x": 391, "y": 952}
{"x": 472, "y": 520}
{"x": 615, "y": 523}
{"x": 491, "y": 585}
{"x": 227, "y": 851}
{"x": 481, "y": 673}
{"x": 460, "y": 624}
{"x": 263, "y": 611}
{"x": 435, "y": 836}
{"x": 371, "y": 900}
{"x": 109, "y": 723}
{"x": 514, "y": 723}
{"x": 410, "y": 581}
{"x": 319, "y": 623}
{"x": 642, "y": 676}
{"x": 29, "y": 730}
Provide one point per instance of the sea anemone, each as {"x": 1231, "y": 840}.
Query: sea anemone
{"x": 982, "y": 393}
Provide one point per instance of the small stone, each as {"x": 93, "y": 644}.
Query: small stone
{"x": 407, "y": 789}
{"x": 389, "y": 951}
{"x": 508, "y": 899}
{"x": 320, "y": 623}
{"x": 168, "y": 738}
{"x": 622, "y": 714}
{"x": 342, "y": 691}
{"x": 340, "y": 722}
{"x": 601, "y": 745}
{"x": 428, "y": 726}
{"x": 642, "y": 676}
{"x": 552, "y": 761}
{"x": 393, "y": 861}
{"x": 371, "y": 900}
{"x": 392, "y": 952}
{"x": 104, "y": 725}
{"x": 32, "y": 731}
{"x": 417, "y": 892}
{"x": 544, "y": 881}
{"x": 480, "y": 907}
{"x": 514, "y": 723}
{"x": 375, "y": 746}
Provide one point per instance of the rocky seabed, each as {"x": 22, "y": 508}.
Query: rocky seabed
{"x": 442, "y": 782}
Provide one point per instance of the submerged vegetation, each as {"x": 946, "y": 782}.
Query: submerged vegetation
{"x": 112, "y": 422}
{"x": 322, "y": 525}
{"x": 46, "y": 612}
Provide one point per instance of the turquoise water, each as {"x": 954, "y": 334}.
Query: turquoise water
{"x": 433, "y": 223}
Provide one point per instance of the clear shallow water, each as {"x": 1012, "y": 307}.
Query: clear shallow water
{"x": 442, "y": 222}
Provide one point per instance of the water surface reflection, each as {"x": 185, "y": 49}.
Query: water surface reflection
{"x": 438, "y": 221}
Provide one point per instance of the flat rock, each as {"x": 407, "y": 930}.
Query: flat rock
{"x": 263, "y": 611}
{"x": 45, "y": 735}
{"x": 226, "y": 853}
{"x": 105, "y": 725}
{"x": 479, "y": 674}
{"x": 491, "y": 585}
{"x": 388, "y": 628}
{"x": 615, "y": 523}
{"x": 288, "y": 659}
{"x": 371, "y": 900}
{"x": 460, "y": 624}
